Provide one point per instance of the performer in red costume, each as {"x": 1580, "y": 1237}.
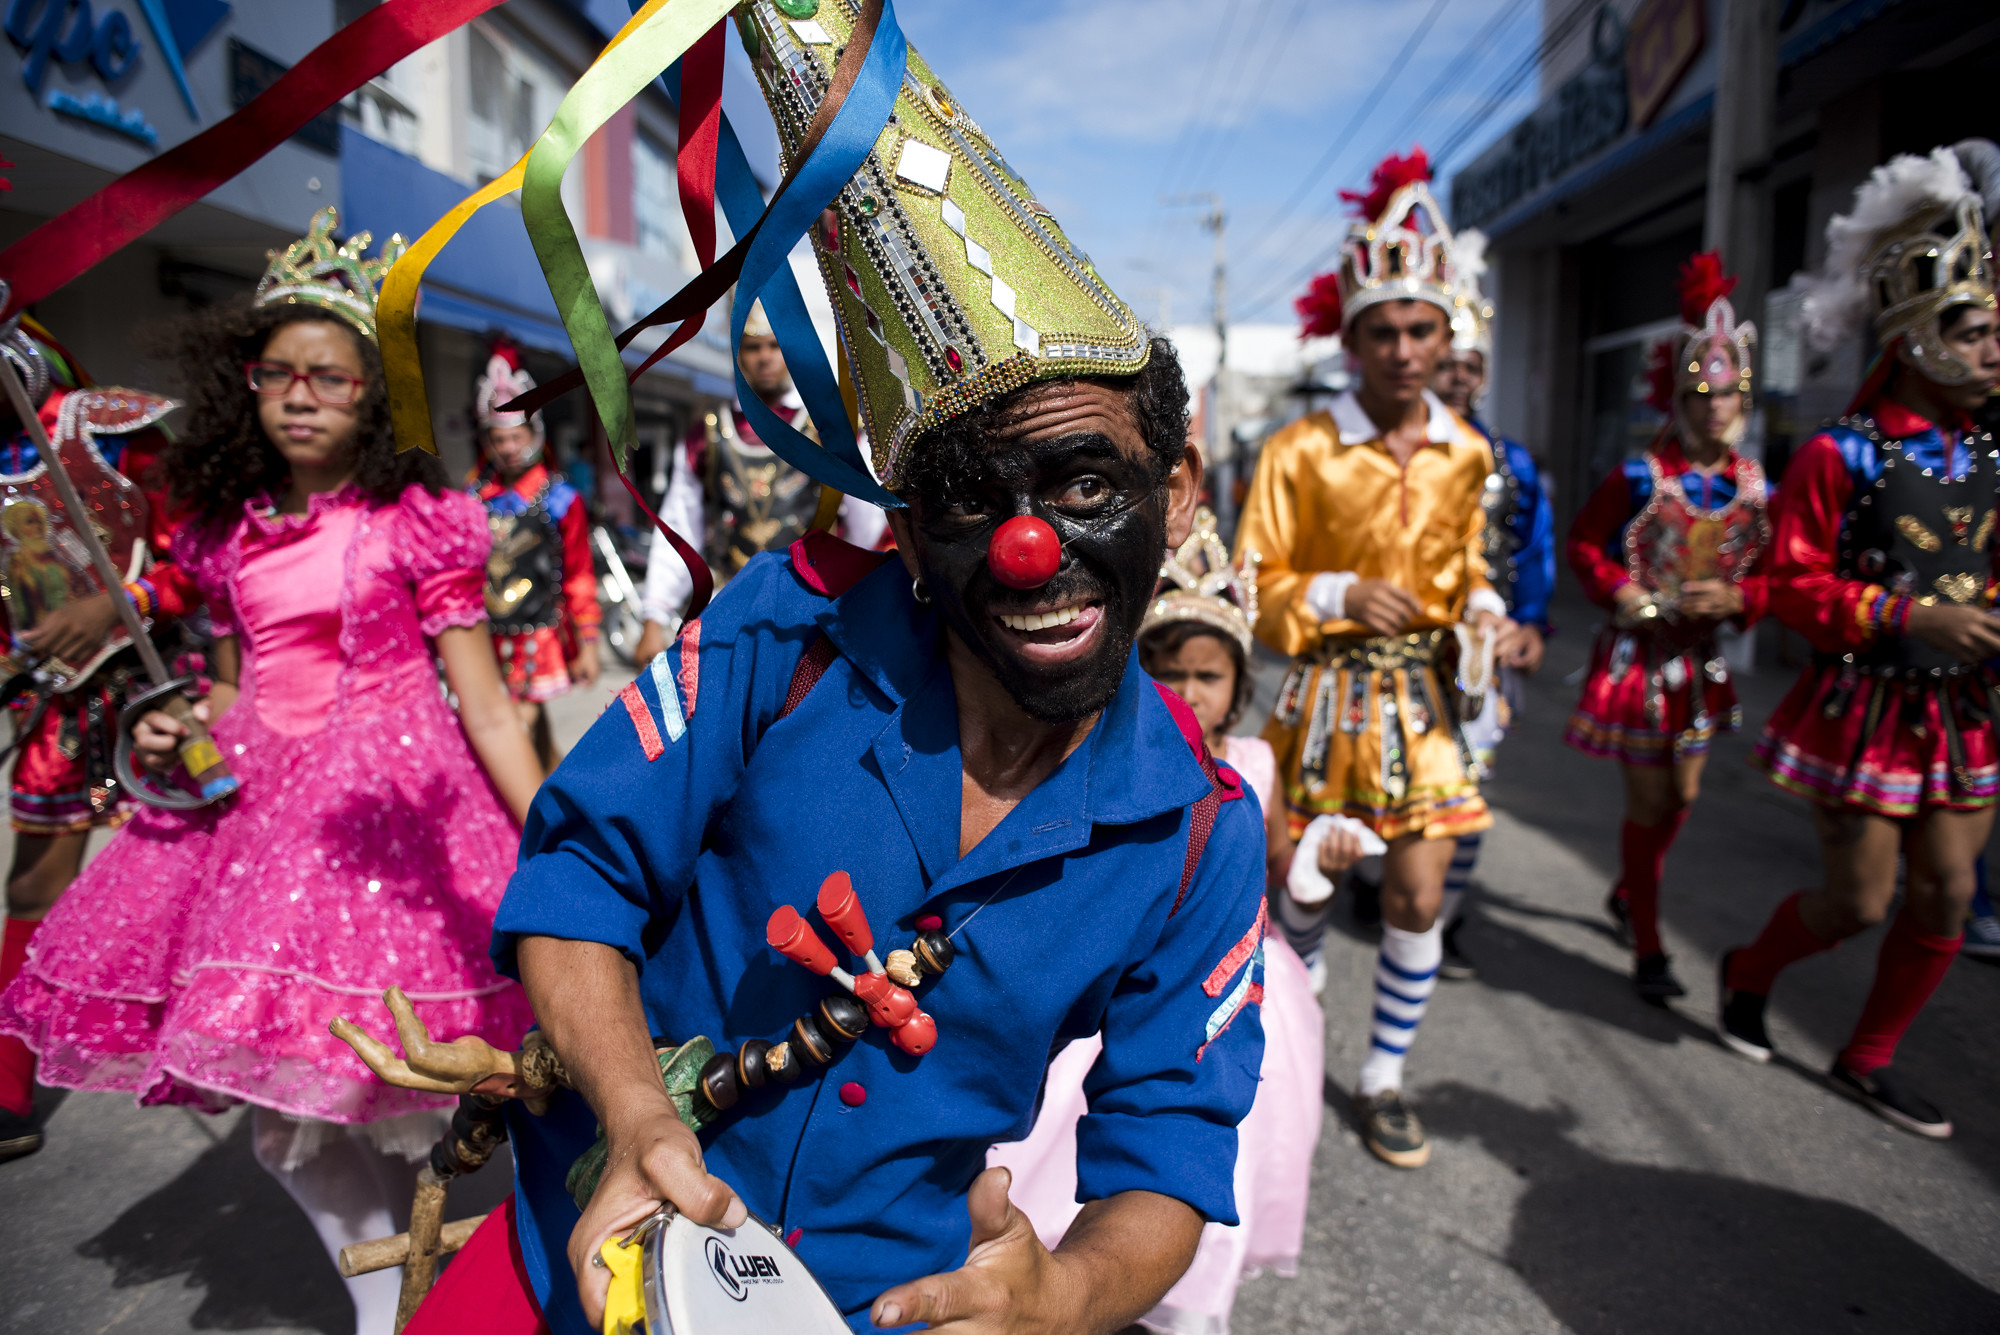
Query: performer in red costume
{"x": 1884, "y": 561}
{"x": 61, "y": 621}
{"x": 1670, "y": 545}
{"x": 541, "y": 582}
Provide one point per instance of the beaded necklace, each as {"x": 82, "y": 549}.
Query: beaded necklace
{"x": 881, "y": 993}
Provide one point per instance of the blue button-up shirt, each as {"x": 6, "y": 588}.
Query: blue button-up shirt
{"x": 1063, "y": 917}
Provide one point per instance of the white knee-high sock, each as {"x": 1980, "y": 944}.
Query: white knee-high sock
{"x": 1458, "y": 876}
{"x": 1405, "y": 975}
{"x": 351, "y": 1191}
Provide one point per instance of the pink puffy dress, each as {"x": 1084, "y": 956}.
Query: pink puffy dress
{"x": 1275, "y": 1143}
{"x": 201, "y": 957}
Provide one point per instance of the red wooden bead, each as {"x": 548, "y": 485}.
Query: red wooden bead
{"x": 888, "y": 1005}
{"x": 1025, "y": 553}
{"x": 930, "y": 922}
{"x": 791, "y": 937}
{"x": 853, "y": 1095}
{"x": 842, "y": 911}
{"x": 916, "y": 1036}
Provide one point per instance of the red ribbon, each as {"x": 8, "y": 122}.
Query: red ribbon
{"x": 70, "y": 244}
{"x": 701, "y": 132}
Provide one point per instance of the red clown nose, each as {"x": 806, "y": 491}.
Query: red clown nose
{"x": 1024, "y": 553}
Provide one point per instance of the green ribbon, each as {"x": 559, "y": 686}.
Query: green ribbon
{"x": 619, "y": 75}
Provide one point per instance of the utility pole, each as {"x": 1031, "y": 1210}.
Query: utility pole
{"x": 1738, "y": 219}
{"x": 1221, "y": 448}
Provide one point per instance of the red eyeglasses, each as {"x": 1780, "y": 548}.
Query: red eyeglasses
{"x": 335, "y": 389}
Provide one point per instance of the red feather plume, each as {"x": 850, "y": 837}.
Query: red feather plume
{"x": 505, "y": 348}
{"x": 1702, "y": 283}
{"x": 1390, "y": 175}
{"x": 1319, "y": 308}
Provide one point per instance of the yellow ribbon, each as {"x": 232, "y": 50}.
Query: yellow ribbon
{"x": 396, "y": 314}
{"x": 396, "y": 308}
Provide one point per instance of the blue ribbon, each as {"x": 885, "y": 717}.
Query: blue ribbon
{"x": 767, "y": 275}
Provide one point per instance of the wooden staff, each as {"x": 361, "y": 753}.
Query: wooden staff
{"x": 198, "y": 752}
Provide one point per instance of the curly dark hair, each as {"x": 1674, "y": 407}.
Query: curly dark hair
{"x": 220, "y": 456}
{"x": 945, "y": 456}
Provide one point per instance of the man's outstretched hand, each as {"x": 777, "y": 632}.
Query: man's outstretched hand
{"x": 1118, "y": 1259}
{"x": 1009, "y": 1283}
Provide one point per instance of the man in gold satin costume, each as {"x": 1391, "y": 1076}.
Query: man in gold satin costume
{"x": 1368, "y": 523}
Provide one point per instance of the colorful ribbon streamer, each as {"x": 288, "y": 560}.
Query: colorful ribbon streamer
{"x": 834, "y": 160}
{"x": 660, "y": 33}
{"x": 396, "y": 315}
{"x": 805, "y": 357}
{"x": 67, "y": 246}
{"x": 396, "y": 305}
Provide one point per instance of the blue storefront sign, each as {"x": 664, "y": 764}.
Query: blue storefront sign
{"x": 86, "y": 40}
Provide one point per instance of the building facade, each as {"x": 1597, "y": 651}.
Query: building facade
{"x": 100, "y": 88}
{"x": 1594, "y": 199}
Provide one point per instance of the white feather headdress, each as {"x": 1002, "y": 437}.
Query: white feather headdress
{"x": 1836, "y": 298}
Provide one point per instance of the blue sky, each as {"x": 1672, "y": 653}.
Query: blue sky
{"x": 1106, "y": 107}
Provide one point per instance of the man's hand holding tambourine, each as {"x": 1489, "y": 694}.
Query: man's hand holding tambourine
{"x": 653, "y": 1157}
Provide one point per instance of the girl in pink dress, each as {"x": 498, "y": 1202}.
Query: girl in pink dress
{"x": 201, "y": 957}
{"x": 1196, "y": 640}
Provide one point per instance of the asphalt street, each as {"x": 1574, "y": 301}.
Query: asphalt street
{"x": 1601, "y": 1166}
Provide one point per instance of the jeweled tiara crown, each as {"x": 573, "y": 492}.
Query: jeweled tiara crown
{"x": 318, "y": 270}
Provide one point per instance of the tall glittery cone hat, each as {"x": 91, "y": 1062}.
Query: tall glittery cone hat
{"x": 951, "y": 284}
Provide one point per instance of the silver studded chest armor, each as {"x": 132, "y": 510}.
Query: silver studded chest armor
{"x": 1918, "y": 533}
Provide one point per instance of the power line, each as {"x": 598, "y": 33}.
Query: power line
{"x": 1502, "y": 88}
{"x": 1474, "y": 53}
{"x": 1558, "y": 36}
{"x": 1189, "y": 129}
{"x": 1361, "y": 114}
{"x": 1244, "y": 84}
{"x": 1475, "y": 50}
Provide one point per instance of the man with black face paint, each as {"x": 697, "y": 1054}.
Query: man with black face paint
{"x": 1368, "y": 523}
{"x": 1033, "y": 829}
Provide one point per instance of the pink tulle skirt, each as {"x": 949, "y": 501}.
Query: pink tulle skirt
{"x": 1274, "y": 1155}
{"x": 201, "y": 957}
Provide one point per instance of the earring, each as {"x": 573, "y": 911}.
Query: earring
{"x": 920, "y": 591}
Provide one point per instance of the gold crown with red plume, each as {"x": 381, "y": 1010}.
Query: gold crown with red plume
{"x": 1398, "y": 248}
{"x": 1710, "y": 354}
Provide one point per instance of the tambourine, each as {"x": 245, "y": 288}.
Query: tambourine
{"x": 672, "y": 1276}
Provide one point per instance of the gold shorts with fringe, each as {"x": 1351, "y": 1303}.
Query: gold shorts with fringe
{"x": 1367, "y": 728}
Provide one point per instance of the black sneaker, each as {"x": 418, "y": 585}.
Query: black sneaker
{"x": 1457, "y": 965}
{"x": 1620, "y": 914}
{"x": 1739, "y": 1016}
{"x": 1883, "y": 1093}
{"x": 1364, "y": 901}
{"x": 1653, "y": 979}
{"x": 18, "y": 1135}
{"x": 1390, "y": 1129}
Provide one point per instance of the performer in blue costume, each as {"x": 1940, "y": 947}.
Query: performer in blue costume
{"x": 1520, "y": 557}
{"x": 1037, "y": 837}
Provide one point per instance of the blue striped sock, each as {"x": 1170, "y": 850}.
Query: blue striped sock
{"x": 1405, "y": 976}
{"x": 1458, "y": 876}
